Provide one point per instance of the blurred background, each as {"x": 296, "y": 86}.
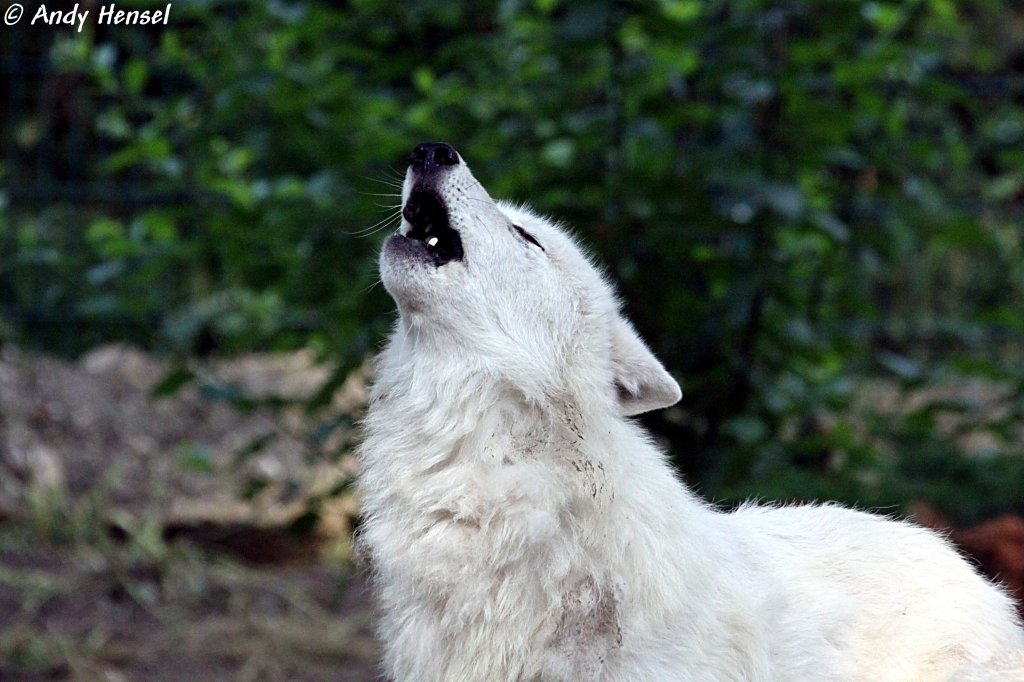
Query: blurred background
{"x": 814, "y": 211}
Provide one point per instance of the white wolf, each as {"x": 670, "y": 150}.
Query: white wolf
{"x": 521, "y": 527}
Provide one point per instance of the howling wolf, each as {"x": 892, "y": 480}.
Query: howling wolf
{"x": 522, "y": 527}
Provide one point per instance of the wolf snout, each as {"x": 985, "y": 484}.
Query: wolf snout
{"x": 428, "y": 156}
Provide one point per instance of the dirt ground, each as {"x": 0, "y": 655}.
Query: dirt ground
{"x": 169, "y": 538}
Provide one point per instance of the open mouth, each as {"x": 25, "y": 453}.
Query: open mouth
{"x": 428, "y": 219}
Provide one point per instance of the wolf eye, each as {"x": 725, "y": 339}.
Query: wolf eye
{"x": 528, "y": 237}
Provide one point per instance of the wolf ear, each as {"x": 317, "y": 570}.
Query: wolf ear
{"x": 641, "y": 382}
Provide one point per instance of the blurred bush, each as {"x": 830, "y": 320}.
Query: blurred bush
{"x": 794, "y": 197}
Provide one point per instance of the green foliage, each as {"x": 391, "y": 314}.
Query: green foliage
{"x": 791, "y": 194}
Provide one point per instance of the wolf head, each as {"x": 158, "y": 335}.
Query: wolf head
{"x": 493, "y": 288}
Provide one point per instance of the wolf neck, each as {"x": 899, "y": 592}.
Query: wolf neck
{"x": 435, "y": 401}
{"x": 463, "y": 477}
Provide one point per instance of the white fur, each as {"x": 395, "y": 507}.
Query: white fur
{"x": 522, "y": 528}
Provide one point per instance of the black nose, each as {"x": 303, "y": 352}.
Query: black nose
{"x": 430, "y": 155}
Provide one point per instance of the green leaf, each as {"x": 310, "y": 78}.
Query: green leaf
{"x": 253, "y": 447}
{"x": 194, "y": 457}
{"x": 172, "y": 382}
{"x": 135, "y": 73}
